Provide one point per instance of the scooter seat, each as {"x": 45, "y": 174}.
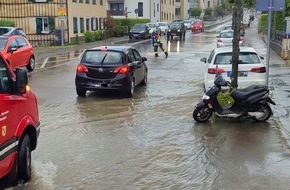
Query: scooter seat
{"x": 244, "y": 93}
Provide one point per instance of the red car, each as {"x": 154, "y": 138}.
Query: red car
{"x": 197, "y": 26}
{"x": 17, "y": 51}
{"x": 19, "y": 125}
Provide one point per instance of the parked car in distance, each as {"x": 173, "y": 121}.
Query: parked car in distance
{"x": 119, "y": 68}
{"x": 19, "y": 123}
{"x": 163, "y": 27}
{"x": 152, "y": 27}
{"x": 176, "y": 29}
{"x": 187, "y": 24}
{"x": 11, "y": 31}
{"x": 225, "y": 38}
{"x": 229, "y": 27}
{"x": 139, "y": 31}
{"x": 251, "y": 69}
{"x": 17, "y": 51}
{"x": 197, "y": 25}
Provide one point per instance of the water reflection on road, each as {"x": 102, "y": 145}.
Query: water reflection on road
{"x": 105, "y": 141}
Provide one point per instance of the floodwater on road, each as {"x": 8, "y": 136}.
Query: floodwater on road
{"x": 105, "y": 141}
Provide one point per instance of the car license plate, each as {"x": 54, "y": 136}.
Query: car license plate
{"x": 240, "y": 73}
{"x": 173, "y": 34}
{"x": 135, "y": 34}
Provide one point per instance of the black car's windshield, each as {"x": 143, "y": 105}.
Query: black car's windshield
{"x": 3, "y": 31}
{"x": 244, "y": 58}
{"x": 161, "y": 24}
{"x": 175, "y": 25}
{"x": 139, "y": 26}
{"x": 3, "y": 42}
{"x": 102, "y": 57}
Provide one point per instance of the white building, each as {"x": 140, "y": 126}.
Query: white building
{"x": 149, "y": 9}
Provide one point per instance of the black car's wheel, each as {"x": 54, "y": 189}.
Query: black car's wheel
{"x": 24, "y": 159}
{"x": 180, "y": 36}
{"x": 130, "y": 37}
{"x": 144, "y": 81}
{"x": 81, "y": 93}
{"x": 130, "y": 90}
{"x": 201, "y": 114}
{"x": 264, "y": 112}
{"x": 31, "y": 63}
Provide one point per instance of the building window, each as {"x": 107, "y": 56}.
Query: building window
{"x": 45, "y": 25}
{"x": 116, "y": 9}
{"x": 88, "y": 1}
{"x": 172, "y": 2}
{"x": 82, "y": 27}
{"x": 164, "y": 16}
{"x": 101, "y": 2}
{"x": 93, "y": 24}
{"x": 140, "y": 9}
{"x": 97, "y": 24}
{"x": 94, "y": 2}
{"x": 164, "y": 1}
{"x": 75, "y": 25}
{"x": 74, "y": 0}
{"x": 87, "y": 24}
{"x": 208, "y": 4}
{"x": 157, "y": 7}
{"x": 81, "y": 1}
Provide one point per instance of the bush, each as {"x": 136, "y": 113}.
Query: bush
{"x": 195, "y": 12}
{"x": 4, "y": 22}
{"x": 119, "y": 31}
{"x": 89, "y": 36}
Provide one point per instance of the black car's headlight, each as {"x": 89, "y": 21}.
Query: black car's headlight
{"x": 169, "y": 30}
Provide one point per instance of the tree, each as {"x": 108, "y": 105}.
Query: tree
{"x": 195, "y": 12}
{"x": 236, "y": 22}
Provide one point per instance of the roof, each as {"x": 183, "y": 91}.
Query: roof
{"x": 230, "y": 49}
{"x": 113, "y": 48}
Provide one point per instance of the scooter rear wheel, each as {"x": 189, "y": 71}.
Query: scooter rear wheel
{"x": 266, "y": 111}
{"x": 201, "y": 114}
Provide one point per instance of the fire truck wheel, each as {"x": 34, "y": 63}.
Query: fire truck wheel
{"x": 24, "y": 159}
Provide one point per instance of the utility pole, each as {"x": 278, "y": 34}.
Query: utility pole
{"x": 268, "y": 40}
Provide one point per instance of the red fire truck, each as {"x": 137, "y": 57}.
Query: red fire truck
{"x": 19, "y": 125}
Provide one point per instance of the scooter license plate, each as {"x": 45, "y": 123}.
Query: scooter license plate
{"x": 240, "y": 74}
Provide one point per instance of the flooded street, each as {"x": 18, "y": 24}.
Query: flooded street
{"x": 150, "y": 141}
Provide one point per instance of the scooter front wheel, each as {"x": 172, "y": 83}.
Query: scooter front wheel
{"x": 201, "y": 114}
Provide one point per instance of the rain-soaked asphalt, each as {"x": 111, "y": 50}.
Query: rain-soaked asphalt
{"x": 150, "y": 141}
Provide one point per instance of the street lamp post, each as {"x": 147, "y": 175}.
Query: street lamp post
{"x": 61, "y": 26}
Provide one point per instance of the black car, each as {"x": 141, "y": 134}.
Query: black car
{"x": 139, "y": 31}
{"x": 119, "y": 68}
{"x": 176, "y": 29}
{"x": 11, "y": 31}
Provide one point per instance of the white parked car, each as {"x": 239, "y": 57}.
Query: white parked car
{"x": 252, "y": 70}
{"x": 162, "y": 26}
{"x": 152, "y": 27}
{"x": 187, "y": 24}
{"x": 225, "y": 38}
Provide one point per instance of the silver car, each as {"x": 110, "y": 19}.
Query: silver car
{"x": 225, "y": 38}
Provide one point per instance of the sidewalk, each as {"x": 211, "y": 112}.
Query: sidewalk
{"x": 279, "y": 80}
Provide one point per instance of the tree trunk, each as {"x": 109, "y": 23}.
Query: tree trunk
{"x": 237, "y": 17}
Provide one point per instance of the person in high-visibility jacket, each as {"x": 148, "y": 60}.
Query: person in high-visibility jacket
{"x": 156, "y": 42}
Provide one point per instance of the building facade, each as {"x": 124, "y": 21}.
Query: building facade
{"x": 167, "y": 11}
{"x": 41, "y": 20}
{"x": 181, "y": 9}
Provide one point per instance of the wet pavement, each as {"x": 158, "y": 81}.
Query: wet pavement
{"x": 150, "y": 141}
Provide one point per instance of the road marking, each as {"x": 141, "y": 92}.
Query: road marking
{"x": 44, "y": 62}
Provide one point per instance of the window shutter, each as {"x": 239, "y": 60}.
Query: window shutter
{"x": 51, "y": 24}
{"x": 38, "y": 22}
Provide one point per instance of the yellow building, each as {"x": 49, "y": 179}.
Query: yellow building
{"x": 42, "y": 19}
{"x": 167, "y": 13}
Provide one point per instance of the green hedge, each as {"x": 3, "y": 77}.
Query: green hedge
{"x": 263, "y": 23}
{"x": 130, "y": 22}
{"x": 91, "y": 36}
{"x": 4, "y": 22}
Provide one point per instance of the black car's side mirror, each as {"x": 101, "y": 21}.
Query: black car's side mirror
{"x": 203, "y": 60}
{"x": 144, "y": 59}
